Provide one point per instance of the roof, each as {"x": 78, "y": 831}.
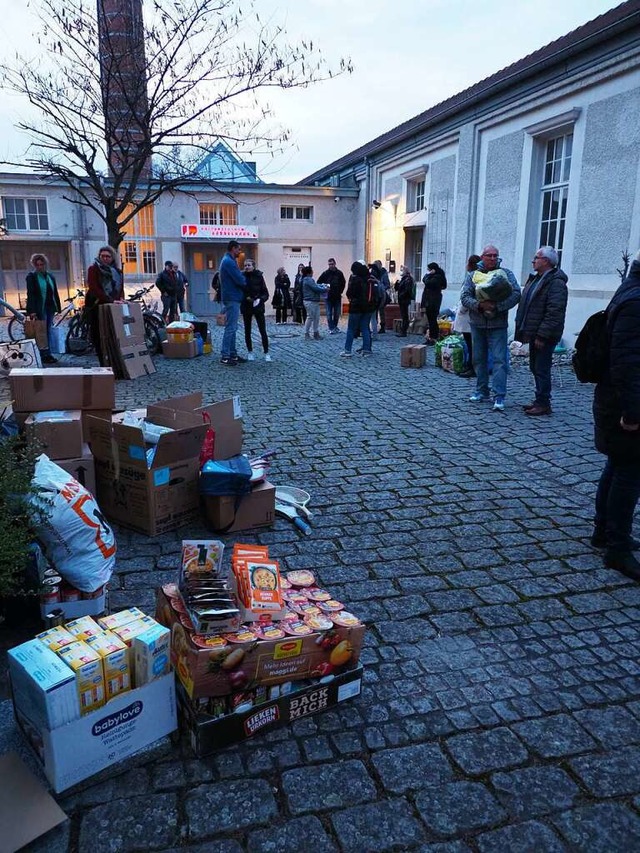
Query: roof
{"x": 620, "y": 19}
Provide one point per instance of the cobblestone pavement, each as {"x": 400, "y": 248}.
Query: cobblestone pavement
{"x": 500, "y": 709}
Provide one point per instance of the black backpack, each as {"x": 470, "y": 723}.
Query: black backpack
{"x": 591, "y": 357}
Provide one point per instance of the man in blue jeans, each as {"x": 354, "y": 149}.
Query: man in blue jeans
{"x": 540, "y": 323}
{"x": 232, "y": 284}
{"x": 488, "y": 321}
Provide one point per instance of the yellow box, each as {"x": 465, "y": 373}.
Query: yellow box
{"x": 87, "y": 666}
{"x": 83, "y": 628}
{"x": 115, "y": 662}
{"x": 56, "y": 638}
{"x": 121, "y": 618}
{"x": 127, "y": 632}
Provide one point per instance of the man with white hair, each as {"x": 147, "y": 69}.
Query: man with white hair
{"x": 616, "y": 415}
{"x": 540, "y": 322}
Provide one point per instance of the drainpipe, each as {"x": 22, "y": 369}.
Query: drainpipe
{"x": 367, "y": 211}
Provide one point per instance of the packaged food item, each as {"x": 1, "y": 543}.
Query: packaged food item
{"x": 306, "y": 609}
{"x": 267, "y": 632}
{"x": 202, "y": 556}
{"x": 84, "y": 627}
{"x": 345, "y": 619}
{"x": 301, "y": 577}
{"x": 297, "y": 629}
{"x": 120, "y": 618}
{"x": 151, "y": 652}
{"x": 56, "y": 638}
{"x": 43, "y": 686}
{"x": 115, "y": 662}
{"x": 330, "y": 606}
{"x": 70, "y": 593}
{"x": 97, "y": 593}
{"x": 244, "y": 635}
{"x": 87, "y": 666}
{"x": 321, "y": 622}
{"x": 215, "y": 641}
{"x": 316, "y": 594}
{"x": 130, "y": 630}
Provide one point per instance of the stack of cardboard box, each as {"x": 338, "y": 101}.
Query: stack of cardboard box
{"x": 123, "y": 340}
{"x": 53, "y": 406}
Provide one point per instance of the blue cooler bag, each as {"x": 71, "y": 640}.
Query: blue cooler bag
{"x": 226, "y": 477}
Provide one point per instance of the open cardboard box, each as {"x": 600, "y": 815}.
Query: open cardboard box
{"x": 266, "y": 662}
{"x": 208, "y": 734}
{"x": 226, "y": 419}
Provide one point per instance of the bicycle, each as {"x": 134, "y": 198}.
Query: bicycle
{"x": 15, "y": 328}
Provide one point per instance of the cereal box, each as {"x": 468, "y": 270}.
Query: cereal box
{"x": 115, "y": 662}
{"x": 83, "y": 628}
{"x": 152, "y": 654}
{"x": 87, "y": 666}
{"x": 121, "y": 618}
{"x": 56, "y": 638}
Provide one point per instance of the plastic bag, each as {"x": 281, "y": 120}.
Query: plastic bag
{"x": 76, "y": 537}
{"x": 226, "y": 477}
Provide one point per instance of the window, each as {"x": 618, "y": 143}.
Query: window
{"x": 301, "y": 213}
{"x": 139, "y": 243}
{"x": 416, "y": 190}
{"x": 555, "y": 191}
{"x": 26, "y": 214}
{"x": 218, "y": 214}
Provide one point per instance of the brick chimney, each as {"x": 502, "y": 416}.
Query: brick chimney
{"x": 123, "y": 78}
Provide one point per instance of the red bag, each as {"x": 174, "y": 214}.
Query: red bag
{"x": 208, "y": 445}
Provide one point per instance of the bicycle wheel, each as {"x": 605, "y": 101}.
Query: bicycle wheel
{"x": 15, "y": 329}
{"x": 78, "y": 337}
{"x": 151, "y": 338}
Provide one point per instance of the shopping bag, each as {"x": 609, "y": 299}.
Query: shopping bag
{"x": 37, "y": 330}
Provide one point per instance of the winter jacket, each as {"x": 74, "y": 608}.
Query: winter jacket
{"x": 232, "y": 280}
{"x": 282, "y": 292}
{"x": 105, "y": 284}
{"x": 35, "y": 303}
{"x": 297, "y": 291}
{"x": 405, "y": 288}
{"x": 336, "y": 281}
{"x": 362, "y": 290}
{"x": 497, "y": 319}
{"x": 167, "y": 283}
{"x": 618, "y": 394}
{"x": 311, "y": 290}
{"x": 541, "y": 315}
{"x": 434, "y": 282}
{"x": 256, "y": 289}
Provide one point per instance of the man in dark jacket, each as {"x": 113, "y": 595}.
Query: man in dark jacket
{"x": 616, "y": 414}
{"x": 540, "y": 322}
{"x": 336, "y": 281}
{"x": 167, "y": 284}
{"x": 256, "y": 296}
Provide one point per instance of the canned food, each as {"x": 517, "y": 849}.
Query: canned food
{"x": 70, "y": 593}
{"x": 52, "y": 580}
{"x": 50, "y": 595}
{"x": 88, "y": 596}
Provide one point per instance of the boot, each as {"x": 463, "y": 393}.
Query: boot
{"x": 317, "y": 336}
{"x": 623, "y": 562}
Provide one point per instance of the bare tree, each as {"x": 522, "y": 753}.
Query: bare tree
{"x": 127, "y": 106}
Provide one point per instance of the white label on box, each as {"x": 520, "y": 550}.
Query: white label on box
{"x": 237, "y": 409}
{"x": 348, "y": 691}
{"x": 126, "y": 313}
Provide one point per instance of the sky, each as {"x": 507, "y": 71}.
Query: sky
{"x": 407, "y": 55}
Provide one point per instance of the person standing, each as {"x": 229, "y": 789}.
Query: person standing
{"x": 435, "y": 281}
{"x": 384, "y": 290}
{"x": 540, "y": 322}
{"x": 181, "y": 287}
{"x": 312, "y": 293}
{"x": 167, "y": 284}
{"x": 462, "y": 325}
{"x": 300, "y": 312}
{"x": 405, "y": 288}
{"x": 616, "y": 415}
{"x": 489, "y": 318}
{"x": 43, "y": 301}
{"x": 281, "y": 300}
{"x": 105, "y": 284}
{"x": 335, "y": 279}
{"x": 232, "y": 288}
{"x": 362, "y": 293}
{"x": 256, "y": 296}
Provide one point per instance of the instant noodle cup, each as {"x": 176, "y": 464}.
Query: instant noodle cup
{"x": 301, "y": 577}
{"x": 345, "y": 619}
{"x": 294, "y": 597}
{"x": 319, "y": 622}
{"x": 267, "y": 632}
{"x": 316, "y": 594}
{"x": 330, "y": 606}
{"x": 215, "y": 642}
{"x": 307, "y": 609}
{"x": 284, "y": 583}
{"x": 244, "y": 635}
{"x": 297, "y": 629}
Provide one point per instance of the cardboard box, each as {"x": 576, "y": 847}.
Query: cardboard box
{"x": 208, "y": 734}
{"x": 156, "y": 498}
{"x": 35, "y": 390}
{"x": 128, "y": 723}
{"x": 256, "y": 509}
{"x": 87, "y": 667}
{"x": 266, "y": 662}
{"x": 406, "y": 356}
{"x": 18, "y": 355}
{"x": 419, "y": 355}
{"x": 82, "y": 468}
{"x": 75, "y": 609}
{"x": 137, "y": 361}
{"x": 43, "y": 685}
{"x": 226, "y": 419}
{"x": 179, "y": 350}
{"x": 151, "y": 652}
{"x": 59, "y": 433}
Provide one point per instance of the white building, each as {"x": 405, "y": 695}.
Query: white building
{"x": 546, "y": 151}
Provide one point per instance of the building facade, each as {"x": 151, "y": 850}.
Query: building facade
{"x": 546, "y": 151}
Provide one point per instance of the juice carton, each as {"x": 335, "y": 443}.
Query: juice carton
{"x": 151, "y": 652}
{"x": 87, "y": 666}
{"x": 56, "y": 638}
{"x": 83, "y": 628}
{"x": 127, "y": 633}
{"x": 121, "y": 618}
{"x": 115, "y": 662}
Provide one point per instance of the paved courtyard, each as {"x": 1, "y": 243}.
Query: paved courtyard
{"x": 501, "y": 701}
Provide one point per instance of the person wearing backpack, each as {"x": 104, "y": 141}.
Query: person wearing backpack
{"x": 540, "y": 323}
{"x": 616, "y": 415}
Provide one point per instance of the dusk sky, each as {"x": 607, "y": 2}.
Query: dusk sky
{"x": 407, "y": 54}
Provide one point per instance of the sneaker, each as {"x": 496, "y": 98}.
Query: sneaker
{"x": 251, "y": 356}
{"x": 230, "y": 362}
{"x": 268, "y": 357}
{"x": 365, "y": 352}
{"x": 239, "y": 359}
{"x": 345, "y": 354}
{"x": 479, "y": 398}
{"x": 498, "y": 406}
